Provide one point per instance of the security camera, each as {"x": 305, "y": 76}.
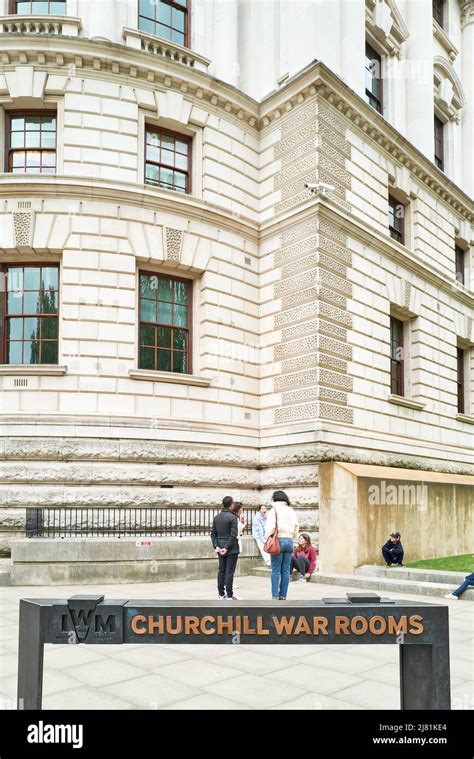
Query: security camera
{"x": 319, "y": 187}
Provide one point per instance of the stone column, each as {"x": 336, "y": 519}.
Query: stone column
{"x": 419, "y": 82}
{"x": 467, "y": 77}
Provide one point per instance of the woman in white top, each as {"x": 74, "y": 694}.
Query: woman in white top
{"x": 283, "y": 517}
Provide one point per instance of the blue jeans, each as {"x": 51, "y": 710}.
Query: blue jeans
{"x": 281, "y": 568}
{"x": 464, "y": 586}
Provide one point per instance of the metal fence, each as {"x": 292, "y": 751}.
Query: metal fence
{"x": 126, "y": 522}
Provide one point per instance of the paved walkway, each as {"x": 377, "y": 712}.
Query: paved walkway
{"x": 223, "y": 677}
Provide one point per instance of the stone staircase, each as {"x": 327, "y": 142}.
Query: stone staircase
{"x": 394, "y": 580}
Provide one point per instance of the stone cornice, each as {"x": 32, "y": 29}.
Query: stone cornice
{"x": 317, "y": 78}
{"x": 121, "y": 193}
{"x": 136, "y": 68}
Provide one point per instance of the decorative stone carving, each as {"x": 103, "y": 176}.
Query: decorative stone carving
{"x": 174, "y": 243}
{"x": 23, "y": 229}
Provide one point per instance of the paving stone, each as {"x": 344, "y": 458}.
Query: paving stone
{"x": 152, "y": 691}
{"x": 257, "y": 692}
{"x": 105, "y": 672}
{"x": 371, "y": 695}
{"x": 316, "y": 702}
{"x": 198, "y": 673}
{"x": 208, "y": 701}
{"x": 316, "y": 679}
{"x": 84, "y": 698}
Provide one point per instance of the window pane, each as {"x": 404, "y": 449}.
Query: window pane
{"x": 57, "y": 9}
{"x": 167, "y": 141}
{"x": 14, "y": 329}
{"x": 181, "y": 2}
{"x": 48, "y": 123}
{"x": 164, "y": 337}
{"x": 14, "y": 353}
{"x": 151, "y": 173}
{"x": 18, "y": 122}
{"x": 33, "y": 160}
{"x": 15, "y": 303}
{"x": 31, "y": 303}
{"x": 31, "y": 352}
{"x": 177, "y": 19}
{"x": 167, "y": 156}
{"x": 40, "y": 8}
{"x": 178, "y": 37}
{"x": 146, "y": 358}
{"x": 181, "y": 161}
{"x": 15, "y": 279}
{"x": 179, "y": 362}
{"x": 32, "y": 278}
{"x": 153, "y": 138}
{"x": 164, "y": 313}
{"x": 18, "y": 159}
{"x": 165, "y": 290}
{"x": 163, "y": 31}
{"x": 166, "y": 176}
{"x": 49, "y": 278}
{"x": 31, "y": 329}
{"x": 17, "y": 140}
{"x": 48, "y": 140}
{"x": 182, "y": 147}
{"x": 49, "y": 352}
{"x": 179, "y": 339}
{"x": 33, "y": 123}
{"x": 180, "y": 181}
{"x": 145, "y": 8}
{"x": 32, "y": 140}
{"x": 49, "y": 302}
{"x": 148, "y": 310}
{"x": 49, "y": 328}
{"x": 163, "y": 13}
{"x": 145, "y": 25}
{"x": 147, "y": 334}
{"x": 181, "y": 316}
{"x": 181, "y": 290}
{"x": 153, "y": 153}
{"x": 164, "y": 361}
{"x": 146, "y": 286}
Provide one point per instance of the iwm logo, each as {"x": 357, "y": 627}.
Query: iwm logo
{"x": 384, "y": 494}
{"x": 86, "y": 619}
{"x": 44, "y": 733}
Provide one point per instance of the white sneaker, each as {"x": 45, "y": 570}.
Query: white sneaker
{"x": 452, "y": 596}
{"x": 221, "y": 598}
{"x": 302, "y": 579}
{"x": 233, "y": 598}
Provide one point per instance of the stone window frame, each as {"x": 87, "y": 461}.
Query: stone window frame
{"x": 9, "y": 115}
{"x": 467, "y": 348}
{"x": 439, "y": 139}
{"x": 409, "y": 321}
{"x": 189, "y": 131}
{"x": 380, "y": 60}
{"x": 4, "y": 267}
{"x": 439, "y": 14}
{"x": 53, "y": 103}
{"x": 172, "y": 277}
{"x": 395, "y": 202}
{"x": 188, "y": 173}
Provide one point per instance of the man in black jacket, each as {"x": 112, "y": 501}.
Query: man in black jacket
{"x": 224, "y": 536}
{"x": 392, "y": 551}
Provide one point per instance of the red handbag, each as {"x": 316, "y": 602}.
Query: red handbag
{"x": 272, "y": 543}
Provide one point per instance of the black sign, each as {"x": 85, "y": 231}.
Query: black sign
{"x": 420, "y": 629}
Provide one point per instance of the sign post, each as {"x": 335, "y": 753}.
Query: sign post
{"x": 420, "y": 629}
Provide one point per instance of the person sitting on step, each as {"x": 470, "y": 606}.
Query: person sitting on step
{"x": 303, "y": 559}
{"x": 393, "y": 551}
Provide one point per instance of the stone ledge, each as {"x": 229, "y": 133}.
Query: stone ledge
{"x": 400, "y": 400}
{"x": 32, "y": 370}
{"x": 465, "y": 418}
{"x": 180, "y": 379}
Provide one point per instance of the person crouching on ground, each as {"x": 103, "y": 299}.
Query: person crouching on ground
{"x": 392, "y": 551}
{"x": 258, "y": 532}
{"x": 283, "y": 520}
{"x": 303, "y": 560}
{"x": 224, "y": 536}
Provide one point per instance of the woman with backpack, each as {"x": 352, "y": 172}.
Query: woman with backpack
{"x": 282, "y": 522}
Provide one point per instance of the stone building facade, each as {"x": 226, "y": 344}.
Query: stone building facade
{"x": 322, "y": 327}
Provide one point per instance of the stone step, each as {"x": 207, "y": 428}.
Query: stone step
{"x": 382, "y": 584}
{"x": 410, "y": 573}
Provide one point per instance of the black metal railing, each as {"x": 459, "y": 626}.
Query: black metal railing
{"x": 126, "y": 522}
